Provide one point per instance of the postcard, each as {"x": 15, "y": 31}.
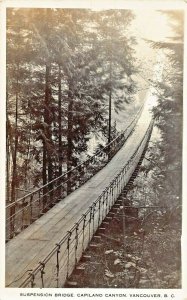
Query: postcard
{"x": 93, "y": 148}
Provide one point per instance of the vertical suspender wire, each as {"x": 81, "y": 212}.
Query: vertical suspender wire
{"x": 99, "y": 212}
{"x": 103, "y": 207}
{"x": 22, "y": 215}
{"x": 110, "y": 202}
{"x": 106, "y": 206}
{"x": 76, "y": 241}
{"x": 112, "y": 186}
{"x": 32, "y": 280}
{"x": 83, "y": 228}
{"x": 31, "y": 208}
{"x": 68, "y": 249}
{"x": 39, "y": 202}
{"x": 57, "y": 265}
{"x": 93, "y": 217}
{"x": 42, "y": 273}
{"x": 90, "y": 220}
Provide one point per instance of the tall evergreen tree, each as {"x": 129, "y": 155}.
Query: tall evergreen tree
{"x": 62, "y": 68}
{"x": 116, "y": 52}
{"x": 168, "y": 115}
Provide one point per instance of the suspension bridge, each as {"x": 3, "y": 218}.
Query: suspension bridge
{"x": 48, "y": 230}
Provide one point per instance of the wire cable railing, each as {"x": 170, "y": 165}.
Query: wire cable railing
{"x": 56, "y": 267}
{"x": 25, "y": 210}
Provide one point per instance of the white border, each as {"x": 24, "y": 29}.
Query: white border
{"x": 101, "y": 4}
{"x": 184, "y": 186}
{"x": 2, "y": 139}
{"x": 9, "y": 293}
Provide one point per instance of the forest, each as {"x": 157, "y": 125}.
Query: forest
{"x": 66, "y": 70}
{"x": 69, "y": 72}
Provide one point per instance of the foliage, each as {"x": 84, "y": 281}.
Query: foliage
{"x": 58, "y": 81}
{"x": 167, "y": 159}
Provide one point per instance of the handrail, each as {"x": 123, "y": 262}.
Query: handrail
{"x": 106, "y": 200}
{"x": 25, "y": 210}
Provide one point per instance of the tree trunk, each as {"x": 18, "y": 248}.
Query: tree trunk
{"x": 46, "y": 126}
{"x": 47, "y": 155}
{"x": 110, "y": 111}
{"x": 69, "y": 139}
{"x": 60, "y": 157}
{"x": 14, "y": 162}
{"x": 28, "y": 153}
{"x": 109, "y": 116}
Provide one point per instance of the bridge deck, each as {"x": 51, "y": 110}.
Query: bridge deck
{"x": 27, "y": 249}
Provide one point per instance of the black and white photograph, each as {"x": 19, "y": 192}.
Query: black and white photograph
{"x": 94, "y": 148}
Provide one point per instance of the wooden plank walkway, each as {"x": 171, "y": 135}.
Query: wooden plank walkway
{"x": 31, "y": 246}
